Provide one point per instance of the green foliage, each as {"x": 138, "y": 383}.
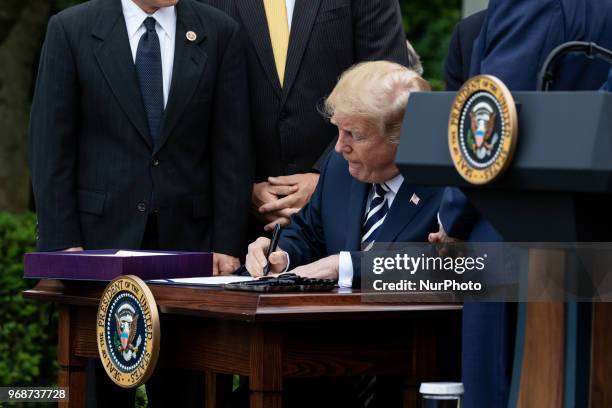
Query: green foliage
{"x": 429, "y": 25}
{"x": 27, "y": 343}
{"x": 141, "y": 397}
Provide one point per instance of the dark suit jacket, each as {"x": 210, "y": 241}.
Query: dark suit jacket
{"x": 457, "y": 64}
{"x": 95, "y": 174}
{"x": 327, "y": 37}
{"x": 332, "y": 221}
{"x": 518, "y": 35}
{"x": 515, "y": 39}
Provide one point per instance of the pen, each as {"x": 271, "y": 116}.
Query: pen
{"x": 272, "y": 248}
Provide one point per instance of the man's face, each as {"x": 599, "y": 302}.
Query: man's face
{"x": 370, "y": 156}
{"x": 151, "y": 6}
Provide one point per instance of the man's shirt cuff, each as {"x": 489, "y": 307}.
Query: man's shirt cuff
{"x": 345, "y": 270}
{"x": 288, "y": 261}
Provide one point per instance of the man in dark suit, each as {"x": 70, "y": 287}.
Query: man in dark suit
{"x": 458, "y": 60}
{"x": 104, "y": 164}
{"x": 359, "y": 183}
{"x": 331, "y": 223}
{"x": 297, "y": 50}
{"x": 515, "y": 39}
{"x": 139, "y": 134}
{"x": 361, "y": 198}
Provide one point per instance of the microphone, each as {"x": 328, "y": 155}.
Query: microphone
{"x": 589, "y": 49}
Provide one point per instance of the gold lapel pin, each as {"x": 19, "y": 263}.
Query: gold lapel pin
{"x": 191, "y": 36}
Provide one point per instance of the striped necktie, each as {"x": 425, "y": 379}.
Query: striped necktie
{"x": 278, "y": 25}
{"x": 375, "y": 217}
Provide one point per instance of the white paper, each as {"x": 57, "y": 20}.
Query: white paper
{"x": 140, "y": 253}
{"x": 206, "y": 281}
{"x": 120, "y": 254}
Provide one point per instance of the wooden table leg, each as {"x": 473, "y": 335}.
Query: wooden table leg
{"x": 72, "y": 370}
{"x": 423, "y": 367}
{"x": 218, "y": 389}
{"x": 410, "y": 393}
{"x": 266, "y": 367}
{"x": 601, "y": 393}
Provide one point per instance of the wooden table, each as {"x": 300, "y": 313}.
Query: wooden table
{"x": 269, "y": 337}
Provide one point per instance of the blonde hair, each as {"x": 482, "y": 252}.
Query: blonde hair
{"x": 377, "y": 91}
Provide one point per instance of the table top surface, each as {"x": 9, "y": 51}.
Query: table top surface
{"x": 217, "y": 302}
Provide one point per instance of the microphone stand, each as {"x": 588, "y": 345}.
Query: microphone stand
{"x": 590, "y": 49}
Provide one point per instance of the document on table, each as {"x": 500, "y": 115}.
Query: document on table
{"x": 120, "y": 254}
{"x": 205, "y": 281}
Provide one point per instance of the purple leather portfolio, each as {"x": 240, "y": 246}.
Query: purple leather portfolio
{"x": 105, "y": 265}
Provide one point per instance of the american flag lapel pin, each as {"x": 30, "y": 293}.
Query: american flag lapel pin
{"x": 415, "y": 199}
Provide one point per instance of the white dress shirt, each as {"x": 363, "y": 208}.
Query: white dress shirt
{"x": 345, "y": 267}
{"x": 166, "y": 31}
{"x": 290, "y": 6}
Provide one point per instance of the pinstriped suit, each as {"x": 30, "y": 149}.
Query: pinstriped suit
{"x": 327, "y": 37}
{"x": 96, "y": 175}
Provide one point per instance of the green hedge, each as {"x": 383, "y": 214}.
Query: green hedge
{"x": 27, "y": 342}
{"x": 28, "y": 339}
{"x": 429, "y": 25}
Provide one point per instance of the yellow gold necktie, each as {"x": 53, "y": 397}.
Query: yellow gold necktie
{"x": 276, "y": 14}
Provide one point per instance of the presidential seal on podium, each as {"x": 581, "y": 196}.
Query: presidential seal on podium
{"x": 127, "y": 331}
{"x": 482, "y": 129}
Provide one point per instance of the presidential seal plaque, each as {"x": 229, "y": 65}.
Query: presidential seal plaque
{"x": 128, "y": 331}
{"x": 482, "y": 129}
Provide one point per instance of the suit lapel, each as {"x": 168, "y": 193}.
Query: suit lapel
{"x": 114, "y": 56}
{"x": 304, "y": 15}
{"x": 357, "y": 202}
{"x": 254, "y": 21}
{"x": 189, "y": 64}
{"x": 403, "y": 211}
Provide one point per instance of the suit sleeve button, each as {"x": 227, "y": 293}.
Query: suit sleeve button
{"x": 142, "y": 207}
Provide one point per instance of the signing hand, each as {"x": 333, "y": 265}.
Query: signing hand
{"x": 256, "y": 258}
{"x": 224, "y": 264}
{"x": 324, "y": 268}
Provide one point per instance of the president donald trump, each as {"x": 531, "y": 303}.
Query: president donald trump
{"x": 361, "y": 197}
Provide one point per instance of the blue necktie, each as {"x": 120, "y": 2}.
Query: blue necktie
{"x": 375, "y": 217}
{"x": 149, "y": 71}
